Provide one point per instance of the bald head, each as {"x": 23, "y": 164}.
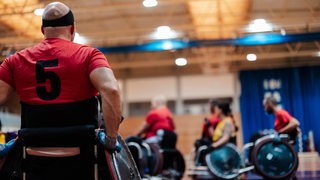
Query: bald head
{"x": 58, "y": 21}
{"x": 55, "y": 10}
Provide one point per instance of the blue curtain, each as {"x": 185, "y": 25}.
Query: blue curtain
{"x": 297, "y": 89}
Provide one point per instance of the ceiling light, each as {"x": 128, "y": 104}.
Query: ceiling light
{"x": 38, "y": 12}
{"x": 181, "y": 61}
{"x": 164, "y": 32}
{"x": 318, "y": 54}
{"x": 167, "y": 45}
{"x": 150, "y": 3}
{"x": 282, "y": 32}
{"x": 259, "y": 25}
{"x": 251, "y": 57}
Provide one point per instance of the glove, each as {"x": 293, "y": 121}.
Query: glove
{"x": 109, "y": 143}
{"x": 207, "y": 123}
{"x": 208, "y": 150}
{"x": 5, "y": 148}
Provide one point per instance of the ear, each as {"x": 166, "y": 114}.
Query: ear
{"x": 72, "y": 30}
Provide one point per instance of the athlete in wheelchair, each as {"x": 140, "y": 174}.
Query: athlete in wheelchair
{"x": 271, "y": 156}
{"x": 154, "y": 146}
{"x": 57, "y": 82}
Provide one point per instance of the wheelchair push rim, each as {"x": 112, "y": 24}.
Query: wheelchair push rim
{"x": 225, "y": 162}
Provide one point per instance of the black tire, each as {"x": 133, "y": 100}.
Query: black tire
{"x": 174, "y": 164}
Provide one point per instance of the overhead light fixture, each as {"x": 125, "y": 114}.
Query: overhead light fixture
{"x": 167, "y": 45}
{"x": 38, "y": 12}
{"x": 164, "y": 32}
{"x": 150, "y": 3}
{"x": 282, "y": 32}
{"x": 259, "y": 25}
{"x": 251, "y": 57}
{"x": 181, "y": 61}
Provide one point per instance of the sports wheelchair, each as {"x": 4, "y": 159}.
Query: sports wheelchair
{"x": 161, "y": 159}
{"x": 270, "y": 156}
{"x": 64, "y": 153}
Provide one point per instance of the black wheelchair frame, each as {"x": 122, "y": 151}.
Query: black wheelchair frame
{"x": 102, "y": 164}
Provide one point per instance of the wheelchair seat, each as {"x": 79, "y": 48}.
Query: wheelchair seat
{"x": 167, "y": 139}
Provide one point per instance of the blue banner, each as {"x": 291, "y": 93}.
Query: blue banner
{"x": 297, "y": 90}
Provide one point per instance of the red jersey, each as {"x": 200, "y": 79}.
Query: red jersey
{"x": 282, "y": 119}
{"x": 54, "y": 71}
{"x": 213, "y": 121}
{"x": 160, "y": 118}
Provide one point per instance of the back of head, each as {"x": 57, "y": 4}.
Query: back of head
{"x": 225, "y": 108}
{"x": 213, "y": 103}
{"x": 159, "y": 101}
{"x": 56, "y": 18}
{"x": 55, "y": 10}
{"x": 271, "y": 100}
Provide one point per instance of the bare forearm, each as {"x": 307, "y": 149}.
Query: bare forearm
{"x": 5, "y": 91}
{"x": 223, "y": 140}
{"x": 293, "y": 124}
{"x": 104, "y": 81}
{"x": 142, "y": 129}
{"x": 111, "y": 108}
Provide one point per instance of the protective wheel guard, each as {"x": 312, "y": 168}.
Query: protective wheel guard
{"x": 224, "y": 162}
{"x": 121, "y": 164}
{"x": 274, "y": 158}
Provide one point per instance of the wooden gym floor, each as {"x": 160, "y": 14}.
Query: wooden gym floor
{"x": 309, "y": 168}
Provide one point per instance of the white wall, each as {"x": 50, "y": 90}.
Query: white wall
{"x": 143, "y": 89}
{"x": 191, "y": 87}
{"x": 207, "y": 86}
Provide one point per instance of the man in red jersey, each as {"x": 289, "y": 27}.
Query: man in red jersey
{"x": 210, "y": 122}
{"x": 57, "y": 80}
{"x": 284, "y": 123}
{"x": 159, "y": 117}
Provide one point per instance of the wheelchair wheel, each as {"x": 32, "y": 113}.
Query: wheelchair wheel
{"x": 274, "y": 158}
{"x": 224, "y": 162}
{"x": 174, "y": 165}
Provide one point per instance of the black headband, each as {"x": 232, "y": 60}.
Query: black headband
{"x": 65, "y": 20}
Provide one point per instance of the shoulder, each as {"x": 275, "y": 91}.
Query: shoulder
{"x": 283, "y": 112}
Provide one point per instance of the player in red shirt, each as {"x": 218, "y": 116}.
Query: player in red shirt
{"x": 210, "y": 122}
{"x": 159, "y": 117}
{"x": 57, "y": 80}
{"x": 284, "y": 123}
{"x": 208, "y": 126}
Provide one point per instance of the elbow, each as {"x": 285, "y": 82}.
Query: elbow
{"x": 297, "y": 123}
{"x": 110, "y": 89}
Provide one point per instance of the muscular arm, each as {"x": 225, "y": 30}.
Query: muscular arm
{"x": 227, "y": 132}
{"x": 104, "y": 81}
{"x": 293, "y": 124}
{"x": 5, "y": 91}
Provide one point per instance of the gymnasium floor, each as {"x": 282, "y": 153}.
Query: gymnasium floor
{"x": 309, "y": 168}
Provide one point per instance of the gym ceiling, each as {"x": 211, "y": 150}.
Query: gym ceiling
{"x": 211, "y": 34}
